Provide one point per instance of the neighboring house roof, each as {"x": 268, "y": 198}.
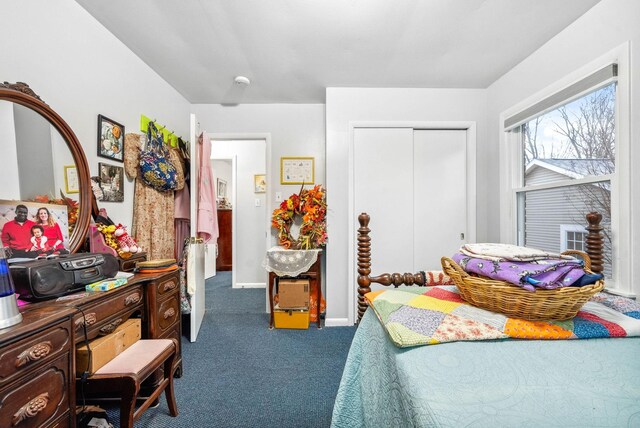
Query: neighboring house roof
{"x": 574, "y": 168}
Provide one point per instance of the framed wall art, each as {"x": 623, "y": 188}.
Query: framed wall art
{"x": 110, "y": 139}
{"x": 221, "y": 188}
{"x": 71, "y": 183}
{"x": 259, "y": 183}
{"x": 111, "y": 182}
{"x": 297, "y": 170}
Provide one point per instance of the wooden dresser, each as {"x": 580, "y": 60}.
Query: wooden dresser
{"x": 224, "y": 260}
{"x": 37, "y": 356}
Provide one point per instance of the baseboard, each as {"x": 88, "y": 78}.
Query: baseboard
{"x": 337, "y": 322}
{"x": 250, "y": 285}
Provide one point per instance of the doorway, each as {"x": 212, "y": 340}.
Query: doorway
{"x": 224, "y": 172}
{"x": 247, "y": 206}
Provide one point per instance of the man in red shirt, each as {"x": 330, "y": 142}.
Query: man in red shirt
{"x": 16, "y": 234}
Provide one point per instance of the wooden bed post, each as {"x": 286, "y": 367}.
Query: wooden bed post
{"x": 364, "y": 268}
{"x": 594, "y": 241}
{"x": 364, "y": 262}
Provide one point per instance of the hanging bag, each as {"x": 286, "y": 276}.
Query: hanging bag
{"x": 156, "y": 169}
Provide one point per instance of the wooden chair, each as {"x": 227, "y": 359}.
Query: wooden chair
{"x": 126, "y": 372}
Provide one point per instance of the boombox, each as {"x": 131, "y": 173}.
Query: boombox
{"x": 42, "y": 279}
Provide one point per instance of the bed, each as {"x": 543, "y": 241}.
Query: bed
{"x": 492, "y": 383}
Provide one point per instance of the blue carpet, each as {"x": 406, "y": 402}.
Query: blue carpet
{"x": 241, "y": 374}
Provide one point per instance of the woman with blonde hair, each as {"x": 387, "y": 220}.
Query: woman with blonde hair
{"x": 52, "y": 231}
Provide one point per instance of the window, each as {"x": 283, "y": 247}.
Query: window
{"x": 568, "y": 164}
{"x": 572, "y": 237}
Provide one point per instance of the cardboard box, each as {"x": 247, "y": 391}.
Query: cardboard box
{"x": 106, "y": 348}
{"x": 293, "y": 293}
{"x": 291, "y": 318}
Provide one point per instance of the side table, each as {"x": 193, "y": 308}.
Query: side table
{"x": 314, "y": 273}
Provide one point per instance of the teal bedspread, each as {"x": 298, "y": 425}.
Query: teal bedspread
{"x": 502, "y": 383}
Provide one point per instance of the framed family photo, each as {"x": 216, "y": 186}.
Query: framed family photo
{"x": 47, "y": 225}
{"x": 110, "y": 139}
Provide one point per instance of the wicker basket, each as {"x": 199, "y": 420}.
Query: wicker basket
{"x": 508, "y": 299}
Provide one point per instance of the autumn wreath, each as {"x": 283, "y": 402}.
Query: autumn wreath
{"x": 312, "y": 206}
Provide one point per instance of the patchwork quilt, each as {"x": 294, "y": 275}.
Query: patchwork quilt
{"x": 414, "y": 317}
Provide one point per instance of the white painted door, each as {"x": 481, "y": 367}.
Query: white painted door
{"x": 195, "y": 268}
{"x": 413, "y": 184}
{"x": 439, "y": 195}
{"x": 383, "y": 188}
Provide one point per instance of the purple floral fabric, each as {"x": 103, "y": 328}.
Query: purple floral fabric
{"x": 547, "y": 274}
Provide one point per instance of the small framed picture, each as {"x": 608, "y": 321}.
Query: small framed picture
{"x": 222, "y": 188}
{"x": 71, "y": 183}
{"x": 110, "y": 139}
{"x": 297, "y": 170}
{"x": 111, "y": 182}
{"x": 259, "y": 183}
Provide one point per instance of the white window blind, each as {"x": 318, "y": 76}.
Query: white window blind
{"x": 594, "y": 81}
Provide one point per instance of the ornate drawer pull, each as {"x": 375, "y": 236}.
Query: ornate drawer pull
{"x": 34, "y": 353}
{"x": 88, "y": 320}
{"x": 132, "y": 299}
{"x": 169, "y": 286}
{"x": 31, "y": 409}
{"x": 107, "y": 329}
{"x": 169, "y": 313}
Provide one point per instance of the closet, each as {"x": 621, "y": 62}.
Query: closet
{"x": 413, "y": 183}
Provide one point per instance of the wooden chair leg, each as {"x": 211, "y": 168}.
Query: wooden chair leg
{"x": 168, "y": 391}
{"x": 128, "y": 402}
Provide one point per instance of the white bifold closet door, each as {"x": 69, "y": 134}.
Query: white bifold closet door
{"x": 413, "y": 184}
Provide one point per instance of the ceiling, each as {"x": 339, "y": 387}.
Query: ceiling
{"x": 292, "y": 50}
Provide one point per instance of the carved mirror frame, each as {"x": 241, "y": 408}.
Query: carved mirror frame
{"x": 21, "y": 93}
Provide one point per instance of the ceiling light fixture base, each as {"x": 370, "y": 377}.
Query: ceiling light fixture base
{"x": 241, "y": 80}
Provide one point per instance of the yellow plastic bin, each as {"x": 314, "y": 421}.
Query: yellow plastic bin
{"x": 291, "y": 318}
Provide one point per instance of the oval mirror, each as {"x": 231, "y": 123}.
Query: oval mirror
{"x": 42, "y": 162}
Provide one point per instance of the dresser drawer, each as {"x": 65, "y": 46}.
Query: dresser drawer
{"x": 167, "y": 286}
{"x": 38, "y": 400}
{"x": 167, "y": 314}
{"x": 99, "y": 314}
{"x": 28, "y": 354}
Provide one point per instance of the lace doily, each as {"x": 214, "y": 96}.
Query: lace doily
{"x": 284, "y": 262}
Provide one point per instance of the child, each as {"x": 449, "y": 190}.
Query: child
{"x": 38, "y": 240}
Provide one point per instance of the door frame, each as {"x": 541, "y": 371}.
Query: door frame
{"x": 267, "y": 139}
{"x": 468, "y": 126}
{"x": 232, "y": 191}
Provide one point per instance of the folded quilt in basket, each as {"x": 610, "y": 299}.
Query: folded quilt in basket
{"x": 548, "y": 274}
{"x": 414, "y": 317}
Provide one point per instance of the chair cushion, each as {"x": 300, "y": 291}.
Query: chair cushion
{"x": 135, "y": 358}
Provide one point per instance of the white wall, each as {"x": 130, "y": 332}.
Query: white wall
{"x": 605, "y": 27}
{"x": 251, "y": 221}
{"x": 82, "y": 70}
{"x": 295, "y": 129}
{"x": 345, "y": 105}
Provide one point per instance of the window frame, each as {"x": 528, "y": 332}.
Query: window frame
{"x": 565, "y": 229}
{"x": 512, "y": 167}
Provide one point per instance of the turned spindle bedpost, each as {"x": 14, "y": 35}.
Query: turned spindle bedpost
{"x": 594, "y": 241}
{"x": 364, "y": 268}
